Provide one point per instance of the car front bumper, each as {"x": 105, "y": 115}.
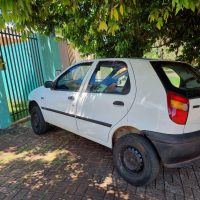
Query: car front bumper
{"x": 176, "y": 150}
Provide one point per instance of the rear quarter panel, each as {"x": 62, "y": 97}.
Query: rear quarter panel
{"x": 193, "y": 120}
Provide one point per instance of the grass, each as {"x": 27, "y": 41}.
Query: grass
{"x": 172, "y": 76}
{"x": 16, "y": 106}
{"x": 175, "y": 81}
{"x": 18, "y": 110}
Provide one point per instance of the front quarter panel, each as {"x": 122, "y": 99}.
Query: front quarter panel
{"x": 38, "y": 95}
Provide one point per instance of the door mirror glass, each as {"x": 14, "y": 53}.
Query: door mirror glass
{"x": 48, "y": 84}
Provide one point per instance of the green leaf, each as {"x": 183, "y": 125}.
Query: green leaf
{"x": 2, "y": 23}
{"x": 159, "y": 23}
{"x": 103, "y": 26}
{"x": 178, "y": 8}
{"x": 66, "y": 2}
{"x": 74, "y": 7}
{"x": 111, "y": 13}
{"x": 115, "y": 13}
{"x": 121, "y": 9}
{"x": 86, "y": 39}
{"x": 24, "y": 36}
{"x": 173, "y": 3}
{"x": 113, "y": 29}
{"x": 192, "y": 6}
{"x": 28, "y": 5}
{"x": 116, "y": 27}
{"x": 154, "y": 15}
{"x": 186, "y": 3}
{"x": 151, "y": 17}
{"x": 166, "y": 15}
{"x": 134, "y": 2}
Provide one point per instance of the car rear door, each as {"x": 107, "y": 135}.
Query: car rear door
{"x": 106, "y": 99}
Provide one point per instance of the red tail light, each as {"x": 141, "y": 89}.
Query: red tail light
{"x": 178, "y": 108}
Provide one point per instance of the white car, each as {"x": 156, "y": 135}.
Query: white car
{"x": 147, "y": 111}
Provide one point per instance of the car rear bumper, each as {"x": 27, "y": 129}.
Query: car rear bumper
{"x": 176, "y": 150}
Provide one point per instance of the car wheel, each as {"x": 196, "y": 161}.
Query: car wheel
{"x": 135, "y": 159}
{"x": 38, "y": 123}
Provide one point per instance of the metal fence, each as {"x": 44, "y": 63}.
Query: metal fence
{"x": 22, "y": 72}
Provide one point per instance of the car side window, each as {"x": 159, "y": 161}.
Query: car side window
{"x": 72, "y": 79}
{"x": 110, "y": 77}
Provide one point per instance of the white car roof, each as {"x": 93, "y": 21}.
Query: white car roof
{"x": 131, "y": 59}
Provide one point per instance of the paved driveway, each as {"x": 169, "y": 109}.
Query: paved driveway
{"x": 61, "y": 165}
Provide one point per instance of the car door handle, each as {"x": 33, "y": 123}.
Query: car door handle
{"x": 118, "y": 103}
{"x": 71, "y": 98}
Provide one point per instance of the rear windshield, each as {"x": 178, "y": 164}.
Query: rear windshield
{"x": 179, "y": 77}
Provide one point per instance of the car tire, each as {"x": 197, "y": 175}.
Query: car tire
{"x": 38, "y": 123}
{"x": 135, "y": 159}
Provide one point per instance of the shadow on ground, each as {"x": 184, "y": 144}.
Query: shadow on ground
{"x": 61, "y": 165}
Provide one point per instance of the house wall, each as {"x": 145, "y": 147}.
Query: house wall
{"x": 65, "y": 59}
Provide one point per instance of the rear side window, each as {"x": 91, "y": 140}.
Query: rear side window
{"x": 181, "y": 76}
{"x": 173, "y": 77}
{"x": 178, "y": 77}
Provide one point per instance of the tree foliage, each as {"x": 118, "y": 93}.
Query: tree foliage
{"x": 112, "y": 28}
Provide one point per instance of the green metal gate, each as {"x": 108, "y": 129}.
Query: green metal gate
{"x": 22, "y": 72}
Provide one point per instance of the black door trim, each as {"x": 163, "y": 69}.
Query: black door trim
{"x": 78, "y": 117}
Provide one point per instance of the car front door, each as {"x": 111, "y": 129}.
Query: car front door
{"x": 106, "y": 99}
{"x": 60, "y": 102}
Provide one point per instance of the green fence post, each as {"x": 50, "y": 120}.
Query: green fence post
{"x": 5, "y": 120}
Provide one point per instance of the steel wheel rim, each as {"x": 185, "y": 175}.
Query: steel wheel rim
{"x": 132, "y": 160}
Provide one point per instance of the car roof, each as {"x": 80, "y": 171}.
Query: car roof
{"x": 132, "y": 59}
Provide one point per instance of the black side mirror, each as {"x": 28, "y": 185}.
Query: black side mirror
{"x": 48, "y": 84}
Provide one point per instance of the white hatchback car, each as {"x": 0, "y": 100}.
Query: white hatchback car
{"x": 148, "y": 111}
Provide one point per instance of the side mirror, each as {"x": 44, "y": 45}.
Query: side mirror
{"x": 48, "y": 84}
